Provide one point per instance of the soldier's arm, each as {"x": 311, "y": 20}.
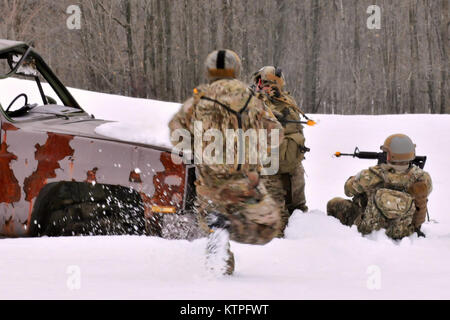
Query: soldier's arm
{"x": 291, "y": 111}
{"x": 277, "y": 114}
{"x": 420, "y": 190}
{"x": 360, "y": 183}
{"x": 271, "y": 124}
{"x": 182, "y": 119}
{"x": 426, "y": 178}
{"x": 290, "y": 101}
{"x": 350, "y": 191}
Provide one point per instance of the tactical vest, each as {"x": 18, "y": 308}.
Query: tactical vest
{"x": 222, "y": 105}
{"x": 389, "y": 205}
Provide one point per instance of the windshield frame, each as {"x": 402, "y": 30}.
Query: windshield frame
{"x": 18, "y": 65}
{"x": 47, "y": 74}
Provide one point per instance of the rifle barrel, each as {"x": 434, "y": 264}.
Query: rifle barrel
{"x": 339, "y": 154}
{"x": 292, "y": 121}
{"x": 368, "y": 155}
{"x": 419, "y": 161}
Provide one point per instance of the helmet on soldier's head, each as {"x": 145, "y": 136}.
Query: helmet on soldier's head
{"x": 400, "y": 148}
{"x": 223, "y": 64}
{"x": 269, "y": 76}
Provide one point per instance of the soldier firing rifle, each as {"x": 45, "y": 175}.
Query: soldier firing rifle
{"x": 418, "y": 161}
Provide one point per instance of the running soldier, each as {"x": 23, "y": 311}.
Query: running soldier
{"x": 232, "y": 200}
{"x": 392, "y": 196}
{"x": 288, "y": 186}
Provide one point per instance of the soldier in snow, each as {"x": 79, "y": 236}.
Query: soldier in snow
{"x": 392, "y": 196}
{"x": 288, "y": 186}
{"x": 232, "y": 200}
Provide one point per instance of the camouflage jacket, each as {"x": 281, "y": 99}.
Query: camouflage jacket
{"x": 385, "y": 196}
{"x": 384, "y": 176}
{"x": 219, "y": 107}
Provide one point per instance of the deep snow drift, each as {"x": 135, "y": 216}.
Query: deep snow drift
{"x": 318, "y": 259}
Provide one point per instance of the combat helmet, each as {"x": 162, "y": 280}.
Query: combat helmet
{"x": 400, "y": 148}
{"x": 223, "y": 64}
{"x": 269, "y": 76}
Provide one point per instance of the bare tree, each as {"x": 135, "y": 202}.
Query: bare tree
{"x": 332, "y": 62}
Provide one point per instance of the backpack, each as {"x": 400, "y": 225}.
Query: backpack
{"x": 228, "y": 105}
{"x": 398, "y": 210}
{"x": 390, "y": 206}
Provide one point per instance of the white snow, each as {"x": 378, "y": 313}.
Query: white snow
{"x": 319, "y": 259}
{"x": 139, "y": 120}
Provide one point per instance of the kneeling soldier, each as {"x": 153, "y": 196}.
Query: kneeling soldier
{"x": 392, "y": 196}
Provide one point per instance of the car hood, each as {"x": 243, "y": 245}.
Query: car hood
{"x": 80, "y": 126}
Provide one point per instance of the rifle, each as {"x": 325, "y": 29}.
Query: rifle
{"x": 282, "y": 119}
{"x": 419, "y": 161}
{"x": 308, "y": 123}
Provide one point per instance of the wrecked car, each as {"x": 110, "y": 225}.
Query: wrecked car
{"x": 59, "y": 177}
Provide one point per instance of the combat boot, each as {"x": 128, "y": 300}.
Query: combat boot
{"x": 304, "y": 208}
{"x": 219, "y": 258}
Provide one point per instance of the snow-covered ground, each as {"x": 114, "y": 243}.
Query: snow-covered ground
{"x": 319, "y": 259}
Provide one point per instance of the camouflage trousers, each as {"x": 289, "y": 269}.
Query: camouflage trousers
{"x": 288, "y": 190}
{"x": 297, "y": 194}
{"x": 254, "y": 215}
{"x": 275, "y": 187}
{"x": 346, "y": 211}
{"x": 369, "y": 219}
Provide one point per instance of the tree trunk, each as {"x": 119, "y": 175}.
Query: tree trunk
{"x": 245, "y": 56}
{"x": 130, "y": 47}
{"x": 149, "y": 58}
{"x": 414, "y": 49}
{"x": 227, "y": 13}
{"x": 193, "y": 80}
{"x": 212, "y": 26}
{"x": 168, "y": 45}
{"x": 445, "y": 24}
{"x": 314, "y": 57}
{"x": 356, "y": 53}
{"x": 159, "y": 70}
{"x": 430, "y": 68}
{"x": 279, "y": 31}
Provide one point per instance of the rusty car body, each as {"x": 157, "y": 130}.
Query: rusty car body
{"x": 59, "y": 177}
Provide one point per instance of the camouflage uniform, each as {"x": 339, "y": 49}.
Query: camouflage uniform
{"x": 382, "y": 198}
{"x": 233, "y": 190}
{"x": 288, "y": 186}
{"x": 292, "y": 150}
